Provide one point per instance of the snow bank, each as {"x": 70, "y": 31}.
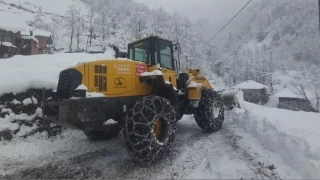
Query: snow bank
{"x": 250, "y": 85}
{"x": 20, "y": 73}
{"x": 294, "y": 135}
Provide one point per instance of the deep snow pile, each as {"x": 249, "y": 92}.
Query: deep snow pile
{"x": 20, "y": 73}
{"x": 22, "y": 79}
{"x": 19, "y": 116}
{"x": 294, "y": 136}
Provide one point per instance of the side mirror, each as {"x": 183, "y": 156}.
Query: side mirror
{"x": 116, "y": 49}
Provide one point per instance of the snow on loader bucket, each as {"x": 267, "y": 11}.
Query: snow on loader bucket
{"x": 229, "y": 99}
{"x": 143, "y": 96}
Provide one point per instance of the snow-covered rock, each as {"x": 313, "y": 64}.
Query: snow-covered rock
{"x": 30, "y": 101}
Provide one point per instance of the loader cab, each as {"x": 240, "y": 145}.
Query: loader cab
{"x": 153, "y": 51}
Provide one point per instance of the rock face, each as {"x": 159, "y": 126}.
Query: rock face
{"x": 20, "y": 112}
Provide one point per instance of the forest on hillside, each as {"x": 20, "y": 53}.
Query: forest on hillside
{"x": 277, "y": 46}
{"x": 107, "y": 22}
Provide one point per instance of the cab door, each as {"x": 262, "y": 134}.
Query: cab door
{"x": 165, "y": 61}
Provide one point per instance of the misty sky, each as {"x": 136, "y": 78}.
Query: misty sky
{"x": 198, "y": 8}
{"x": 213, "y": 13}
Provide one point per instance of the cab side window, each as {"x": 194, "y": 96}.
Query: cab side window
{"x": 166, "y": 59}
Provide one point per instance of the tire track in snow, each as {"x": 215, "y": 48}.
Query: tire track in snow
{"x": 192, "y": 151}
{"x": 250, "y": 158}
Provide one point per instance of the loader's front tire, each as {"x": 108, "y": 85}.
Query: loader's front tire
{"x": 210, "y": 113}
{"x": 150, "y": 129}
{"x": 108, "y": 132}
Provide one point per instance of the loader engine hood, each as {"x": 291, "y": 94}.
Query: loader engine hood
{"x": 109, "y": 77}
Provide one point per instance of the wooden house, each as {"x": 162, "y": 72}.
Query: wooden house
{"x": 253, "y": 92}
{"x": 23, "y": 42}
{"x": 291, "y": 101}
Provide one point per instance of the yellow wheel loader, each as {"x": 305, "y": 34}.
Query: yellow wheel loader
{"x": 143, "y": 96}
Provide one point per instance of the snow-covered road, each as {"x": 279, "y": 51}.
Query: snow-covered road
{"x": 195, "y": 155}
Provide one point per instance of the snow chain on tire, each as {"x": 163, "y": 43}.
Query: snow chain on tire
{"x": 208, "y": 120}
{"x": 141, "y": 139}
{"x": 110, "y": 131}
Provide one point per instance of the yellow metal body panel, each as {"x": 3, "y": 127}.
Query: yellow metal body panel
{"x": 120, "y": 78}
{"x": 168, "y": 74}
{"x": 114, "y": 78}
{"x": 194, "y": 91}
{"x": 194, "y": 94}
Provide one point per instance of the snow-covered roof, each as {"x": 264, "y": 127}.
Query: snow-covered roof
{"x": 286, "y": 93}
{"x": 12, "y": 28}
{"x": 36, "y": 33}
{"x": 30, "y": 37}
{"x": 250, "y": 85}
{"x": 8, "y": 44}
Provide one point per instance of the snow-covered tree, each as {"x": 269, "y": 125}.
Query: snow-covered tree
{"x": 71, "y": 24}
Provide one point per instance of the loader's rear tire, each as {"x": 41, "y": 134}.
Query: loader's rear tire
{"x": 108, "y": 132}
{"x": 150, "y": 129}
{"x": 210, "y": 113}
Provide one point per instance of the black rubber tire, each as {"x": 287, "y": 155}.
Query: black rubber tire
{"x": 204, "y": 114}
{"x": 141, "y": 142}
{"x": 110, "y": 131}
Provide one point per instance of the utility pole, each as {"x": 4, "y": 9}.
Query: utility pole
{"x": 319, "y": 13}
{"x": 271, "y": 71}
{"x": 188, "y": 61}
{"x": 140, "y": 28}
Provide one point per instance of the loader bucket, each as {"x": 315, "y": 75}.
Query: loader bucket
{"x": 229, "y": 99}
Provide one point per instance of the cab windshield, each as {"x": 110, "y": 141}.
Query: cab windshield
{"x": 140, "y": 52}
{"x": 153, "y": 51}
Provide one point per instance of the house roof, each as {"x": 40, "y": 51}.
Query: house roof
{"x": 286, "y": 93}
{"x": 24, "y": 31}
{"x": 13, "y": 27}
{"x": 250, "y": 85}
{"x": 30, "y": 37}
{"x": 36, "y": 33}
